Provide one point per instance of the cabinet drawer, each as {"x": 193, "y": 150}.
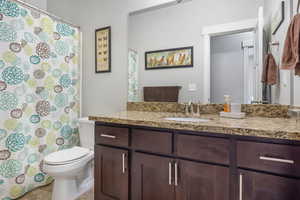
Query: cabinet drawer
{"x": 276, "y": 158}
{"x": 200, "y": 148}
{"x": 112, "y": 136}
{"x": 153, "y": 141}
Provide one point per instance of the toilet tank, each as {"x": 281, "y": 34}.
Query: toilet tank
{"x": 86, "y": 133}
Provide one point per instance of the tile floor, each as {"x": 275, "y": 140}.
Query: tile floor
{"x": 44, "y": 193}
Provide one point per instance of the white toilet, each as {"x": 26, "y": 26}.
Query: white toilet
{"x": 72, "y": 169}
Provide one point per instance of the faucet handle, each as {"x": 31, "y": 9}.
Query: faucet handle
{"x": 186, "y": 107}
{"x": 192, "y": 108}
{"x": 198, "y": 109}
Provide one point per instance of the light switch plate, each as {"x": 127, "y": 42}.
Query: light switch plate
{"x": 192, "y": 87}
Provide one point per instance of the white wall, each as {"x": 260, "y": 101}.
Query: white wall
{"x": 38, "y": 3}
{"x": 178, "y": 26}
{"x": 281, "y": 93}
{"x": 136, "y": 5}
{"x": 102, "y": 93}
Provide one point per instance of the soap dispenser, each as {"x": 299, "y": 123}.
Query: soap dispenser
{"x": 227, "y": 104}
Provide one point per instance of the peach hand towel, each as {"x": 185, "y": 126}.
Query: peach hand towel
{"x": 270, "y": 70}
{"x": 291, "y": 52}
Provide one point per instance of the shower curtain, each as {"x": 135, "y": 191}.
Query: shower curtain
{"x": 39, "y": 95}
{"x": 133, "y": 73}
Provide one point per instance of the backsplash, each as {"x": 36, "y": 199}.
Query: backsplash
{"x": 258, "y": 110}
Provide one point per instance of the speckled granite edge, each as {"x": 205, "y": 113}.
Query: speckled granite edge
{"x": 216, "y": 129}
{"x": 258, "y": 110}
{"x": 155, "y": 107}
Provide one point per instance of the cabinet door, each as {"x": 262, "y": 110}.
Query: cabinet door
{"x": 152, "y": 178}
{"x": 111, "y": 174}
{"x": 197, "y": 181}
{"x": 259, "y": 186}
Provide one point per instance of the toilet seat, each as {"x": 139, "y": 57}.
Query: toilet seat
{"x": 66, "y": 156}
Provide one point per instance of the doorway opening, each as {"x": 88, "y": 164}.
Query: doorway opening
{"x": 233, "y": 70}
{"x": 254, "y": 26}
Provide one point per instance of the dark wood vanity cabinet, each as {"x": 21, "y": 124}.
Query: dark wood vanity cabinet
{"x": 111, "y": 173}
{"x": 276, "y": 158}
{"x": 160, "y": 178}
{"x": 278, "y": 166}
{"x": 152, "y": 177}
{"x": 141, "y": 163}
{"x": 208, "y": 149}
{"x": 201, "y": 181}
{"x": 260, "y": 186}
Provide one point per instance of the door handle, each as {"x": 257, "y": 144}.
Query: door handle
{"x": 170, "y": 173}
{"x": 276, "y": 160}
{"x": 176, "y": 174}
{"x": 241, "y": 187}
{"x": 123, "y": 163}
{"x": 108, "y": 136}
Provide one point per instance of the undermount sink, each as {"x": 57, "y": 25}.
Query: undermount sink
{"x": 186, "y": 119}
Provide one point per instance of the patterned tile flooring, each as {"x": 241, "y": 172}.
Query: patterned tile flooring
{"x": 44, "y": 193}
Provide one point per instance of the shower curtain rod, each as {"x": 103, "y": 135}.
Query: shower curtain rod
{"x": 46, "y": 13}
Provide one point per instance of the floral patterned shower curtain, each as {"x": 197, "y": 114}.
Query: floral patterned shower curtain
{"x": 39, "y": 95}
{"x": 133, "y": 73}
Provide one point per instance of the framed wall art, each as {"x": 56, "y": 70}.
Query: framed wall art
{"x": 103, "y": 50}
{"x": 169, "y": 58}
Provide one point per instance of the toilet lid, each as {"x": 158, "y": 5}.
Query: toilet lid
{"x": 66, "y": 155}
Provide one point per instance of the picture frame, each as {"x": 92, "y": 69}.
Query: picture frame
{"x": 103, "y": 50}
{"x": 278, "y": 18}
{"x": 170, "y": 58}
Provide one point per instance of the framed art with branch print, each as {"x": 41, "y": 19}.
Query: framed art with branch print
{"x": 103, "y": 50}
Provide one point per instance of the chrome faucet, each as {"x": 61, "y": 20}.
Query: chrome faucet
{"x": 189, "y": 109}
{"x": 198, "y": 109}
{"x": 186, "y": 108}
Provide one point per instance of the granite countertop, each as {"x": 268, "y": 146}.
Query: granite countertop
{"x": 276, "y": 128}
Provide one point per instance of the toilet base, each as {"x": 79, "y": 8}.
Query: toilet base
{"x": 73, "y": 179}
{"x": 63, "y": 188}
{"x": 68, "y": 189}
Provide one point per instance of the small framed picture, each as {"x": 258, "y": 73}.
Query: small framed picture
{"x": 103, "y": 50}
{"x": 169, "y": 58}
{"x": 278, "y": 18}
